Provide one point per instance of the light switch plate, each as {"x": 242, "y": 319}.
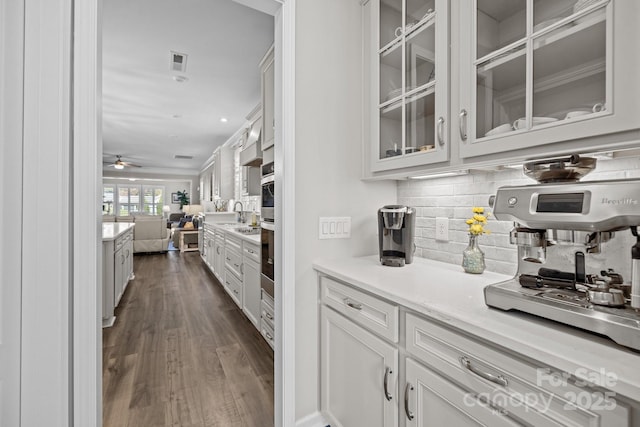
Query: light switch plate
{"x": 334, "y": 227}
{"x": 442, "y": 229}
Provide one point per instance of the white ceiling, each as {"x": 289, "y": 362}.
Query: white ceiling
{"x": 148, "y": 117}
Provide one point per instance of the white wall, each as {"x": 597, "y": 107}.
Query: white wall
{"x": 453, "y": 198}
{"x": 327, "y": 163}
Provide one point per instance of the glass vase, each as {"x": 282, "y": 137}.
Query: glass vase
{"x": 473, "y": 257}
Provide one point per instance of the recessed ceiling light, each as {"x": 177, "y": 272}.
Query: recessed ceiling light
{"x": 223, "y": 119}
{"x": 177, "y": 116}
{"x": 132, "y": 179}
{"x": 180, "y": 79}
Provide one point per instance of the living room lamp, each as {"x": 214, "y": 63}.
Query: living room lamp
{"x": 165, "y": 210}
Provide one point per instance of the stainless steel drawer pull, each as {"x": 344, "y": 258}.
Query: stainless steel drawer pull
{"x": 440, "y": 136}
{"x": 250, "y": 251}
{"x": 268, "y": 335}
{"x": 268, "y": 316}
{"x": 463, "y": 124}
{"x": 387, "y": 372}
{"x": 407, "y": 411}
{"x": 352, "y": 304}
{"x": 497, "y": 379}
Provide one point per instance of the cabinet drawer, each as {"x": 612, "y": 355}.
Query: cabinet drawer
{"x": 233, "y": 261}
{"x": 233, "y": 287}
{"x": 267, "y": 332}
{"x": 233, "y": 242}
{"x": 266, "y": 313}
{"x": 251, "y": 251}
{"x": 534, "y": 394}
{"x": 379, "y": 316}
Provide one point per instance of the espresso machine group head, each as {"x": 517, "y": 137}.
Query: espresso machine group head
{"x": 396, "y": 234}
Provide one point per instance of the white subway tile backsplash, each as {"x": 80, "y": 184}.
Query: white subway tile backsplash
{"x": 453, "y": 198}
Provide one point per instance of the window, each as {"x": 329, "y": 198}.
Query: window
{"x": 108, "y": 199}
{"x": 124, "y": 200}
{"x": 128, "y": 199}
{"x": 152, "y": 200}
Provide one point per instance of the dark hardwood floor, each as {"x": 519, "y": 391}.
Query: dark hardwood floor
{"x": 181, "y": 353}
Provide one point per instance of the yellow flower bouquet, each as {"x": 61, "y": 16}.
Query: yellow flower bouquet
{"x": 477, "y": 222}
{"x": 472, "y": 256}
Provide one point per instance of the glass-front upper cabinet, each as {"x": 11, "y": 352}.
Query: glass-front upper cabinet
{"x": 410, "y": 78}
{"x": 535, "y": 72}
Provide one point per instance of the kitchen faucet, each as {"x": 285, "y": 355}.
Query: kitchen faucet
{"x": 241, "y": 213}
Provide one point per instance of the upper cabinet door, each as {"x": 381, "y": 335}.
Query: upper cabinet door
{"x": 536, "y": 72}
{"x": 409, "y": 63}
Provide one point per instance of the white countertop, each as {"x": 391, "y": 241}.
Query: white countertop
{"x": 230, "y": 228}
{"x": 445, "y": 292}
{"x": 111, "y": 230}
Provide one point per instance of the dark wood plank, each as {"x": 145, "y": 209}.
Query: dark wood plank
{"x": 182, "y": 354}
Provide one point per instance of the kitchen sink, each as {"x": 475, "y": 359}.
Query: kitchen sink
{"x": 248, "y": 230}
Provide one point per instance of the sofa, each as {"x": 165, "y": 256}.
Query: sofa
{"x": 150, "y": 234}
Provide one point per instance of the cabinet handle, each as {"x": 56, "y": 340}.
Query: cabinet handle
{"x": 440, "y": 129}
{"x": 250, "y": 251}
{"x": 235, "y": 292}
{"x": 463, "y": 124}
{"x": 407, "y": 411}
{"x": 270, "y": 261}
{"x": 228, "y": 259}
{"x": 268, "y": 335}
{"x": 497, "y": 379}
{"x": 352, "y": 304}
{"x": 387, "y": 395}
{"x": 268, "y": 316}
{"x": 242, "y": 268}
{"x": 218, "y": 250}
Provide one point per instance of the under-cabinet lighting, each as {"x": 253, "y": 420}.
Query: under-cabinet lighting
{"x": 441, "y": 174}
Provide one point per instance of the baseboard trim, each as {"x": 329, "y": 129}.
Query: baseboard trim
{"x": 312, "y": 420}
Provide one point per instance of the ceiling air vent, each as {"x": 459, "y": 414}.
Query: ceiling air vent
{"x": 178, "y": 61}
{"x": 180, "y": 156}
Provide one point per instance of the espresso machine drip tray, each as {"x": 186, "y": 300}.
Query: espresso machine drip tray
{"x": 621, "y": 324}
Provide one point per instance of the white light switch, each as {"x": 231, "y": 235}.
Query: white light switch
{"x": 334, "y": 227}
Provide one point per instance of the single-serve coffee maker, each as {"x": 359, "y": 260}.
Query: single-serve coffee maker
{"x": 396, "y": 234}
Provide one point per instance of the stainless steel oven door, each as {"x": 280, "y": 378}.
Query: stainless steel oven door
{"x": 268, "y": 260}
{"x": 268, "y": 199}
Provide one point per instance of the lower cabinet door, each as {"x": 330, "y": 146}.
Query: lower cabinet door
{"x": 251, "y": 291}
{"x": 431, "y": 400}
{"x": 359, "y": 373}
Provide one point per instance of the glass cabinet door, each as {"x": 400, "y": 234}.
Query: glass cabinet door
{"x": 535, "y": 64}
{"x": 412, "y": 102}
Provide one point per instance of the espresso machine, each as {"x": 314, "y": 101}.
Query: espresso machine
{"x": 578, "y": 253}
{"x": 396, "y": 234}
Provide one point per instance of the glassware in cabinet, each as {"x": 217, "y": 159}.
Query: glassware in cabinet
{"x": 412, "y": 102}
{"x": 541, "y": 65}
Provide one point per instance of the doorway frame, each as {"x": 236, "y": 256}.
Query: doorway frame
{"x": 87, "y": 125}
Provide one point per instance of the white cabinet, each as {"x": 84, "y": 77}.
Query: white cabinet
{"x": 409, "y": 99}
{"x": 206, "y": 184}
{"x": 217, "y": 256}
{"x": 117, "y": 267}
{"x": 223, "y": 173}
{"x": 536, "y": 72}
{"x": 233, "y": 268}
{"x": 268, "y": 99}
{"x": 446, "y": 376}
{"x": 359, "y": 374}
{"x": 431, "y": 400}
{"x": 250, "y": 181}
{"x": 267, "y": 318}
{"x": 251, "y": 282}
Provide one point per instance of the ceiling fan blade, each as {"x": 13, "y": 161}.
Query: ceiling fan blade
{"x": 133, "y": 165}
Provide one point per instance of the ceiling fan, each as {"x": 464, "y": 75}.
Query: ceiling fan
{"x": 120, "y": 164}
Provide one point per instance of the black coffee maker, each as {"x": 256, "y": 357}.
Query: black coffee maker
{"x": 396, "y": 234}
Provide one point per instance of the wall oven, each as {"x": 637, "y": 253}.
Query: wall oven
{"x": 268, "y": 259}
{"x": 267, "y": 224}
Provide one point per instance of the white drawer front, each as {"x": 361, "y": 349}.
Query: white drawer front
{"x": 267, "y": 332}
{"x": 233, "y": 261}
{"x": 379, "y": 316}
{"x": 251, "y": 251}
{"x": 266, "y": 313}
{"x": 535, "y": 394}
{"x": 233, "y": 287}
